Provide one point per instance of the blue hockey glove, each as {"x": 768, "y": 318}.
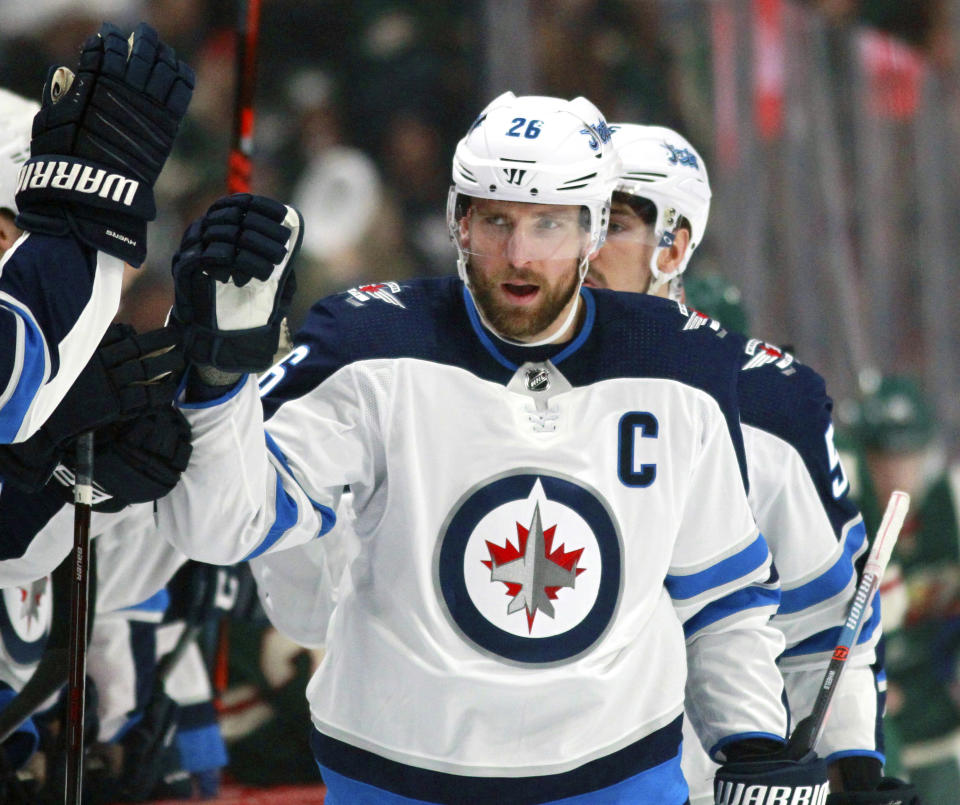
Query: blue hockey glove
{"x": 127, "y": 375}
{"x": 761, "y": 770}
{"x": 233, "y": 282}
{"x": 100, "y": 139}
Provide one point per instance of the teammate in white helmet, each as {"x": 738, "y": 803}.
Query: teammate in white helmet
{"x": 798, "y": 492}
{"x": 547, "y": 481}
{"x": 76, "y": 191}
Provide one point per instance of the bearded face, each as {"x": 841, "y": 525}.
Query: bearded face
{"x": 522, "y": 264}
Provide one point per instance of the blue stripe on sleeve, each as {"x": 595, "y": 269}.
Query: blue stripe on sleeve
{"x": 747, "y": 598}
{"x": 286, "y": 517}
{"x": 833, "y": 581}
{"x": 328, "y": 516}
{"x": 723, "y": 572}
{"x": 827, "y": 640}
{"x": 27, "y": 384}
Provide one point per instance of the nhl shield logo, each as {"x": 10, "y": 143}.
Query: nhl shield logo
{"x": 528, "y": 567}
{"x": 538, "y": 379}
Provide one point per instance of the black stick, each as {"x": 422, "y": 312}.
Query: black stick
{"x": 79, "y": 602}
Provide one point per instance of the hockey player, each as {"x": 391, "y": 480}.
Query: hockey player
{"x": 798, "y": 491}
{"x": 82, "y": 189}
{"x": 548, "y": 490}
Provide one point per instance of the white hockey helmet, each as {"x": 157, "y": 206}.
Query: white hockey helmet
{"x": 661, "y": 166}
{"x": 539, "y": 150}
{"x": 16, "y": 121}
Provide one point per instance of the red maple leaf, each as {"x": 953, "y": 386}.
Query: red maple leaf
{"x": 376, "y": 286}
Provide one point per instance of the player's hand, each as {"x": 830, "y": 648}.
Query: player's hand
{"x": 100, "y": 139}
{"x": 890, "y": 792}
{"x": 234, "y": 282}
{"x": 128, "y": 374}
{"x": 757, "y": 767}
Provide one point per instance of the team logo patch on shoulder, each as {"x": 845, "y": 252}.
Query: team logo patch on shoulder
{"x": 528, "y": 567}
{"x": 384, "y": 291}
{"x": 760, "y": 353}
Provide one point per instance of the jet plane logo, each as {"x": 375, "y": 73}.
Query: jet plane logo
{"x": 384, "y": 291}
{"x": 528, "y": 566}
{"x": 532, "y": 572}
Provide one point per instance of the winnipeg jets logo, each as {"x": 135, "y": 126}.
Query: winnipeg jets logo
{"x": 384, "y": 291}
{"x": 762, "y": 353}
{"x": 528, "y": 567}
{"x": 25, "y": 616}
{"x": 681, "y": 156}
{"x": 532, "y": 572}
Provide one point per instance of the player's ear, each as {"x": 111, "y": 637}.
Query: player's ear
{"x": 671, "y": 258}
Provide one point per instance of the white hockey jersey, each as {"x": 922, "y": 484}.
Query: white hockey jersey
{"x": 798, "y": 494}
{"x": 549, "y": 538}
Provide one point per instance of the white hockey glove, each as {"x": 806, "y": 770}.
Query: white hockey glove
{"x": 233, "y": 281}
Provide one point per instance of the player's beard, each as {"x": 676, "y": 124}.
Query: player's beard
{"x": 520, "y": 322}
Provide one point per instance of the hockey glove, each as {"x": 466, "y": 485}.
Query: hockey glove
{"x": 133, "y": 462}
{"x": 233, "y": 282}
{"x": 761, "y": 770}
{"x": 100, "y": 139}
{"x": 127, "y": 375}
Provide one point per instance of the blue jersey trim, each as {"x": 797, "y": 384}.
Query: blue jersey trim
{"x": 747, "y": 598}
{"x": 828, "y": 639}
{"x": 286, "y": 518}
{"x": 28, "y": 383}
{"x": 662, "y": 784}
{"x": 734, "y": 567}
{"x": 833, "y": 581}
{"x": 158, "y": 602}
{"x": 328, "y": 517}
{"x": 856, "y": 753}
{"x": 657, "y": 755}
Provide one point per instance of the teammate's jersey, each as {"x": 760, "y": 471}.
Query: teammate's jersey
{"x": 545, "y": 535}
{"x": 799, "y": 497}
{"x": 56, "y": 300}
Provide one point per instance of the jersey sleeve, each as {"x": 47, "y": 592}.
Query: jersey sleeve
{"x": 56, "y": 300}
{"x": 288, "y": 473}
{"x": 724, "y": 590}
{"x": 799, "y": 495}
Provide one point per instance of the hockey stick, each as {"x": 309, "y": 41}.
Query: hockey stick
{"x": 238, "y": 181}
{"x": 79, "y": 601}
{"x": 241, "y": 147}
{"x": 809, "y": 730}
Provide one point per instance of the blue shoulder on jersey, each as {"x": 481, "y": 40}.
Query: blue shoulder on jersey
{"x": 788, "y": 399}
{"x": 52, "y": 278}
{"x": 623, "y": 335}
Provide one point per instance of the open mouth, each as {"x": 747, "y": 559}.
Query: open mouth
{"x": 519, "y": 292}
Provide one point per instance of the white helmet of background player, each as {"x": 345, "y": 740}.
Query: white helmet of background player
{"x": 16, "y": 120}
{"x": 661, "y": 166}
{"x": 538, "y": 150}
